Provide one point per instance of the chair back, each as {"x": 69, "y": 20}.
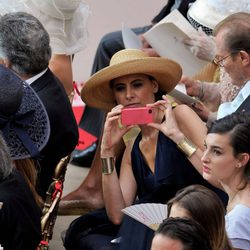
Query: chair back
{"x": 53, "y": 197}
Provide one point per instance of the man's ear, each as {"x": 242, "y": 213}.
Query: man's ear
{"x": 5, "y": 62}
{"x": 245, "y": 58}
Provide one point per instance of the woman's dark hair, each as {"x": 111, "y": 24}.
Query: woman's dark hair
{"x": 204, "y": 206}
{"x": 189, "y": 232}
{"x": 237, "y": 126}
{"x": 159, "y": 93}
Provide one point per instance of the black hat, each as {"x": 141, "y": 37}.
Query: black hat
{"x": 24, "y": 122}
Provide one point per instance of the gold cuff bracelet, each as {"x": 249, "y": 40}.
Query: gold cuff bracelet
{"x": 108, "y": 165}
{"x": 187, "y": 147}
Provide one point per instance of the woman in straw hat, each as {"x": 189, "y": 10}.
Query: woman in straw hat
{"x": 24, "y": 125}
{"x": 153, "y": 168}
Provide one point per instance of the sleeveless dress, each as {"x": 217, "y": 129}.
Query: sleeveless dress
{"x": 173, "y": 171}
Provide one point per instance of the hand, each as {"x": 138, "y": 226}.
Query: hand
{"x": 113, "y": 132}
{"x": 201, "y": 110}
{"x": 145, "y": 44}
{"x": 201, "y": 45}
{"x": 169, "y": 126}
{"x": 192, "y": 86}
{"x": 147, "y": 48}
{"x": 151, "y": 52}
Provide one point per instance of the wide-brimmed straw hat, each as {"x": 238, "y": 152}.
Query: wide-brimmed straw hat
{"x": 97, "y": 91}
{"x": 24, "y": 122}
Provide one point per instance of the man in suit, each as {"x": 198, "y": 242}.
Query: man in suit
{"x": 25, "y": 49}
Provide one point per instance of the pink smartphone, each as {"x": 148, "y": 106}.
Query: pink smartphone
{"x": 133, "y": 116}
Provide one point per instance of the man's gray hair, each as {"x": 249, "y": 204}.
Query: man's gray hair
{"x": 24, "y": 43}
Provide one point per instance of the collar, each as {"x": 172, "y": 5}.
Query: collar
{"x": 35, "y": 77}
{"x": 245, "y": 91}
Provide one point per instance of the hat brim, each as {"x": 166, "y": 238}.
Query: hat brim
{"x": 38, "y": 130}
{"x": 97, "y": 92}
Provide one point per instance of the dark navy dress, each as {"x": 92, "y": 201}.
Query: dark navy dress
{"x": 173, "y": 171}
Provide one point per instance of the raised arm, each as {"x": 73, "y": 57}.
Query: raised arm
{"x": 117, "y": 193}
{"x": 184, "y": 128}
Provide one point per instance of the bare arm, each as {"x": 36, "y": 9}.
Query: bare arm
{"x": 117, "y": 193}
{"x": 61, "y": 66}
{"x": 190, "y": 127}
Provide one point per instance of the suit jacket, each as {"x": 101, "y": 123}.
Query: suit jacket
{"x": 245, "y": 106}
{"x": 64, "y": 129}
{"x": 183, "y": 8}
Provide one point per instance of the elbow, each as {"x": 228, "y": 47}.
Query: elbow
{"x": 115, "y": 219}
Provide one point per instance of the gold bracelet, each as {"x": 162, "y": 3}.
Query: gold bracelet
{"x": 187, "y": 147}
{"x": 108, "y": 165}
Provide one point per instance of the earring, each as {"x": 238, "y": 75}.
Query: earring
{"x": 238, "y": 165}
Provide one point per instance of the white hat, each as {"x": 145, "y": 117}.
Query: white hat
{"x": 208, "y": 13}
{"x": 65, "y": 21}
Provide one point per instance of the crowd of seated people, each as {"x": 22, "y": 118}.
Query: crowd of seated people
{"x": 224, "y": 159}
{"x": 200, "y": 86}
{"x": 153, "y": 169}
{"x": 180, "y": 126}
{"x": 163, "y": 157}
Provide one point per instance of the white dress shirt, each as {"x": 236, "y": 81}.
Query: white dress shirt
{"x": 33, "y": 78}
{"x": 228, "y": 108}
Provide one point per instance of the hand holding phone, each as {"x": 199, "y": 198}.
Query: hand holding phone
{"x": 136, "y": 116}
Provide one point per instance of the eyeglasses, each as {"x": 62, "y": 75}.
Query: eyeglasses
{"x": 220, "y": 62}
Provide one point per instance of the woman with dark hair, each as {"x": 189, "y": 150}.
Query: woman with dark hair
{"x": 204, "y": 206}
{"x": 227, "y": 158}
{"x": 181, "y": 234}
